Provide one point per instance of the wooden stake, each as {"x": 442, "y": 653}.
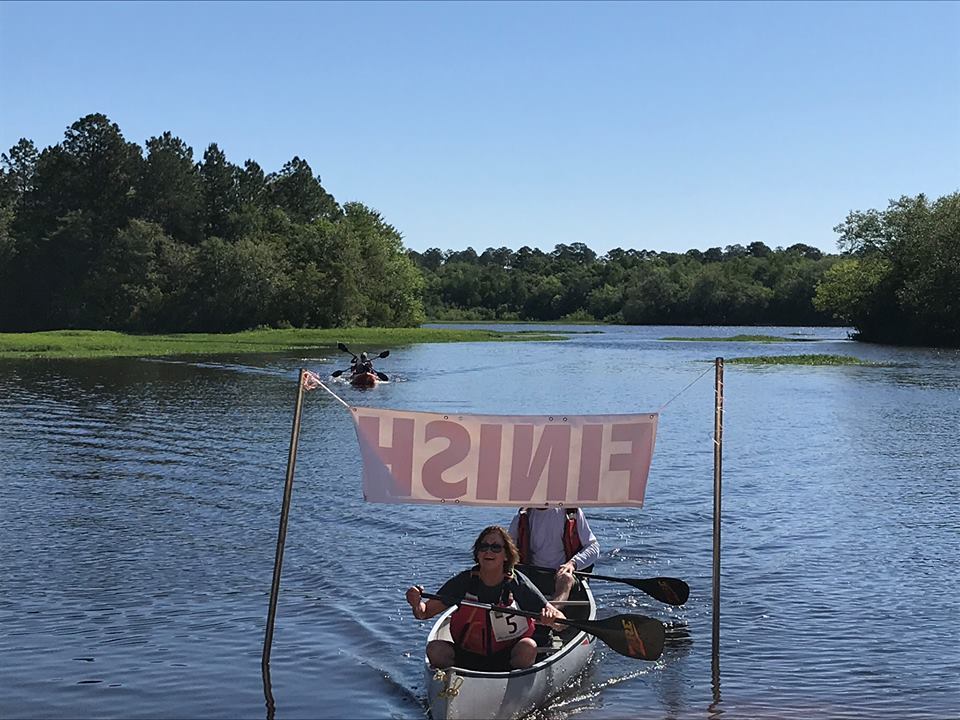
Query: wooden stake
{"x": 717, "y": 471}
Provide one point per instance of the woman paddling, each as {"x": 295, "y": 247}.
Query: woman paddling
{"x": 482, "y": 639}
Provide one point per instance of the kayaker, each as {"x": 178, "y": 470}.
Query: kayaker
{"x": 362, "y": 365}
{"x": 558, "y": 538}
{"x": 480, "y": 639}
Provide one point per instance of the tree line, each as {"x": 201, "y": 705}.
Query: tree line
{"x": 736, "y": 285}
{"x": 100, "y": 233}
{"x": 896, "y": 280}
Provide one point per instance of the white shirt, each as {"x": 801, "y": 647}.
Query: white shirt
{"x": 546, "y": 538}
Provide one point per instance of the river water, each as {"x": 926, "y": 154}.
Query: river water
{"x": 140, "y": 502}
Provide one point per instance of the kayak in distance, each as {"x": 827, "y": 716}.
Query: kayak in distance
{"x": 361, "y": 371}
{"x": 364, "y": 380}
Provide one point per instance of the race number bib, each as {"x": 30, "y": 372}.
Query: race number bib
{"x": 507, "y": 627}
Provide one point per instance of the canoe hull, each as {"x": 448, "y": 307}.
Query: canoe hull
{"x": 461, "y": 694}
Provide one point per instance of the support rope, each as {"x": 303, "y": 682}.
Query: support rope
{"x": 312, "y": 381}
{"x": 692, "y": 382}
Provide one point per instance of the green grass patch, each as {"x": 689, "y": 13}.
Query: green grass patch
{"x": 799, "y": 360}
{"x": 547, "y": 324}
{"x": 57, "y": 344}
{"x": 742, "y": 338}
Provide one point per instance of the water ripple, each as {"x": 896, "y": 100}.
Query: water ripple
{"x": 140, "y": 517}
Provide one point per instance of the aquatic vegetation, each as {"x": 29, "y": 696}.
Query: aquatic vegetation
{"x": 105, "y": 343}
{"x": 742, "y": 338}
{"x": 799, "y": 360}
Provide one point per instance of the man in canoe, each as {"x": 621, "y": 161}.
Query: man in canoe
{"x": 482, "y": 639}
{"x": 557, "y": 538}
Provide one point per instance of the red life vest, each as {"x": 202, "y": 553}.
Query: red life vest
{"x": 571, "y": 538}
{"x": 472, "y": 627}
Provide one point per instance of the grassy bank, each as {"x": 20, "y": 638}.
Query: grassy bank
{"x": 57, "y": 344}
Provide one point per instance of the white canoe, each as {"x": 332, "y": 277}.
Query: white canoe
{"x": 462, "y": 694}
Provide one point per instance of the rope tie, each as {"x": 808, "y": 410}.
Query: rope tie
{"x": 450, "y": 690}
{"x": 312, "y": 381}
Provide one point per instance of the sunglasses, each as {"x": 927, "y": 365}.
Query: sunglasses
{"x": 492, "y": 547}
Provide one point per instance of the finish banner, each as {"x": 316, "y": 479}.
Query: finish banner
{"x": 518, "y": 460}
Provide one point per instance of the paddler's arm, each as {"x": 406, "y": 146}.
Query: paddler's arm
{"x": 423, "y": 610}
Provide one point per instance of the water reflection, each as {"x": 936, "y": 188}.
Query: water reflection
{"x": 269, "y": 702}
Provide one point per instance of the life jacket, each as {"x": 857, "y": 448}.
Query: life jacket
{"x": 571, "y": 538}
{"x": 487, "y": 632}
{"x": 362, "y": 367}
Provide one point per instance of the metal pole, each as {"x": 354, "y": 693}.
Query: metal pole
{"x": 282, "y": 535}
{"x": 717, "y": 467}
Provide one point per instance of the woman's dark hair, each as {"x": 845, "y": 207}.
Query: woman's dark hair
{"x": 511, "y": 556}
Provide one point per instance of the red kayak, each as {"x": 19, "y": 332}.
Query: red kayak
{"x": 363, "y": 380}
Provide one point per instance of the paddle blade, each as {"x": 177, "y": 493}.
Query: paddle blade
{"x": 341, "y": 346}
{"x": 382, "y": 376}
{"x": 665, "y": 589}
{"x": 385, "y": 353}
{"x": 635, "y": 636}
{"x": 336, "y": 373}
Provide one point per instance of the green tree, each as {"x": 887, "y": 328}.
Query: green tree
{"x": 726, "y": 294}
{"x": 220, "y": 193}
{"x": 930, "y": 294}
{"x": 244, "y": 280}
{"x": 902, "y": 283}
{"x": 654, "y": 294}
{"x": 17, "y": 169}
{"x": 300, "y": 194}
{"x": 143, "y": 282}
{"x": 170, "y": 192}
{"x": 849, "y": 290}
{"x": 758, "y": 250}
{"x": 98, "y": 174}
{"x": 252, "y": 188}
{"x": 605, "y": 303}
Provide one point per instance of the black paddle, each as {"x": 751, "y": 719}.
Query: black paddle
{"x": 341, "y": 346}
{"x": 635, "y": 636}
{"x": 665, "y": 589}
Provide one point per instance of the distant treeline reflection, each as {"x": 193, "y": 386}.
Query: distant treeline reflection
{"x": 99, "y": 233}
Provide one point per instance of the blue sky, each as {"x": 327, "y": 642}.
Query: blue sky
{"x": 661, "y": 126}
